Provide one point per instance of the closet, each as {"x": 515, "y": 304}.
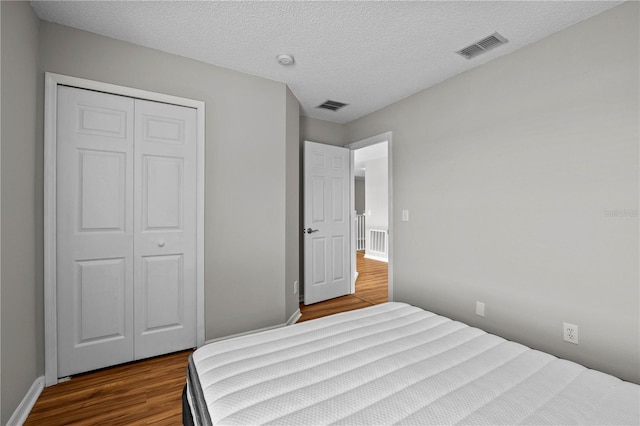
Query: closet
{"x": 125, "y": 229}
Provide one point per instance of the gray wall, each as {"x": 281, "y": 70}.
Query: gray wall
{"x": 22, "y": 330}
{"x": 293, "y": 200}
{"x": 314, "y": 130}
{"x": 521, "y": 178}
{"x": 246, "y": 166}
{"x": 359, "y": 201}
{"x": 376, "y": 199}
{"x": 376, "y": 190}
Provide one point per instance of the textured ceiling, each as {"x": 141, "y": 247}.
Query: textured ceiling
{"x": 365, "y": 54}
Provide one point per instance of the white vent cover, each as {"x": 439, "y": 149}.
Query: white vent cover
{"x": 478, "y": 48}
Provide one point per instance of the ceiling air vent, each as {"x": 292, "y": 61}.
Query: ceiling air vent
{"x": 478, "y": 48}
{"x": 332, "y": 105}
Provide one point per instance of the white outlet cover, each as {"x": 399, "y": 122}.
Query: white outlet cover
{"x": 570, "y": 333}
{"x": 480, "y": 309}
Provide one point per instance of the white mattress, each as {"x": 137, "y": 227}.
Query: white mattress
{"x": 398, "y": 364}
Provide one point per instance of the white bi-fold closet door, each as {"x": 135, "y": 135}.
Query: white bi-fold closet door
{"x": 126, "y": 229}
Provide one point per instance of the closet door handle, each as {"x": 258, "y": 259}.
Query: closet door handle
{"x": 161, "y": 243}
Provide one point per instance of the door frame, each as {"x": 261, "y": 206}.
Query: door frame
{"x": 52, "y": 81}
{"x": 382, "y": 137}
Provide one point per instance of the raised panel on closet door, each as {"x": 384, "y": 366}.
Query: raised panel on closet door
{"x": 165, "y": 228}
{"x": 94, "y": 204}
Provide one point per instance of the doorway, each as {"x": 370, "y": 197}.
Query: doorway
{"x": 382, "y": 271}
{"x": 372, "y": 214}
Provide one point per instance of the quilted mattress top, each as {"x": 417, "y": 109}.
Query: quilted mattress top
{"x": 398, "y": 364}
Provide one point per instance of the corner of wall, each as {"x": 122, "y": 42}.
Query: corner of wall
{"x": 22, "y": 351}
{"x": 292, "y": 150}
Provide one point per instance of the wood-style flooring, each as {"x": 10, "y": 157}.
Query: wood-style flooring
{"x": 372, "y": 288}
{"x": 146, "y": 392}
{"x": 149, "y": 392}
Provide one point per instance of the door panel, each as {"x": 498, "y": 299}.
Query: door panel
{"x": 162, "y": 281}
{"x": 326, "y": 214}
{"x": 94, "y": 230}
{"x": 107, "y": 122}
{"x": 163, "y": 129}
{"x": 337, "y": 199}
{"x": 165, "y": 231}
{"x": 100, "y": 291}
{"x": 317, "y": 197}
{"x": 338, "y": 252}
{"x": 103, "y": 191}
{"x": 319, "y": 254}
{"x": 162, "y": 192}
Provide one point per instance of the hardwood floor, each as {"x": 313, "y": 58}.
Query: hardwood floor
{"x": 149, "y": 392}
{"x": 372, "y": 288}
{"x": 140, "y": 393}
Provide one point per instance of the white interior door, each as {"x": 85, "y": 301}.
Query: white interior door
{"x": 327, "y": 240}
{"x": 126, "y": 229}
{"x": 165, "y": 228}
{"x": 94, "y": 230}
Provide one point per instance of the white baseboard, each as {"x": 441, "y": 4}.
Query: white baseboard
{"x": 294, "y": 317}
{"x": 273, "y": 327}
{"x": 378, "y": 258}
{"x": 292, "y": 320}
{"x": 22, "y": 412}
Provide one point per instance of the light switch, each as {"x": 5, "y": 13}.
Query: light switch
{"x": 405, "y": 215}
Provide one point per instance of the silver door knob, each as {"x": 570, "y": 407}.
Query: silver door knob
{"x": 161, "y": 243}
{"x": 311, "y": 231}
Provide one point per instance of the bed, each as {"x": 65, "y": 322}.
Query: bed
{"x": 395, "y": 364}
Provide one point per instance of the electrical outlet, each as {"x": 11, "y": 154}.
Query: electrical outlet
{"x": 295, "y": 287}
{"x": 480, "y": 309}
{"x": 570, "y": 333}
